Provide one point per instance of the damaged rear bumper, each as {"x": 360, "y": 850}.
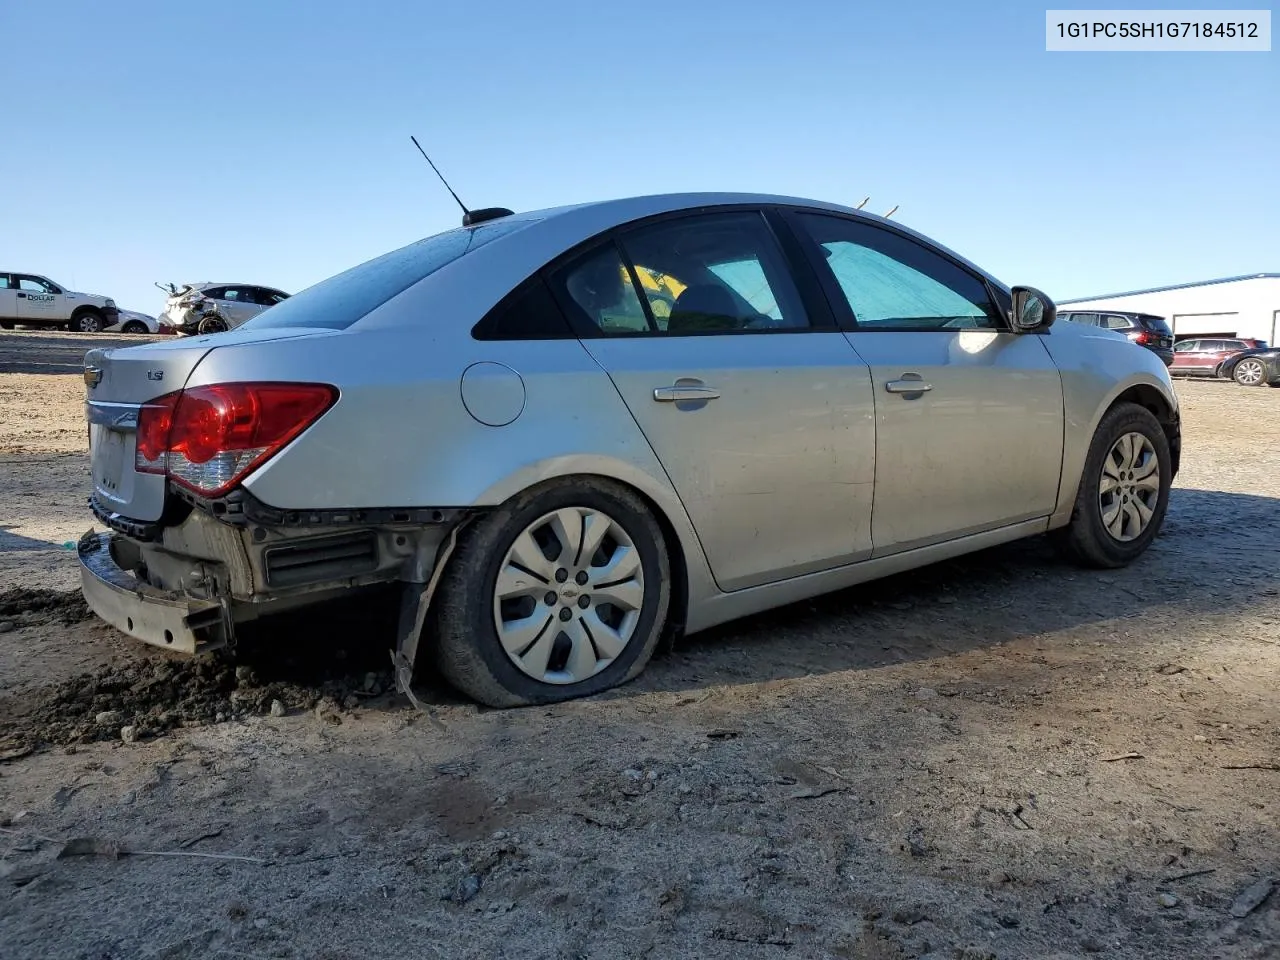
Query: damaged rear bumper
{"x": 152, "y": 615}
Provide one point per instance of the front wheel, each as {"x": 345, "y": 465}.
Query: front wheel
{"x": 1124, "y": 492}
{"x": 135, "y": 326}
{"x": 560, "y": 593}
{"x": 87, "y": 321}
{"x": 1250, "y": 372}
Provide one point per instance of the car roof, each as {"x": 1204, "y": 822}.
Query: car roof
{"x": 610, "y": 214}
{"x": 229, "y": 283}
{"x": 471, "y": 285}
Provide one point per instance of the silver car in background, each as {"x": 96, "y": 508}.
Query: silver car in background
{"x": 562, "y": 472}
{"x": 201, "y": 308}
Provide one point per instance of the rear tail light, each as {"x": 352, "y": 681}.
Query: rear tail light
{"x": 1140, "y": 337}
{"x": 209, "y": 438}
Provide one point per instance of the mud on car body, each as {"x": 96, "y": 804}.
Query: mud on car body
{"x": 561, "y": 472}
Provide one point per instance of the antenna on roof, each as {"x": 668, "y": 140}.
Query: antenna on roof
{"x": 862, "y": 204}
{"x": 469, "y": 217}
{"x": 891, "y": 212}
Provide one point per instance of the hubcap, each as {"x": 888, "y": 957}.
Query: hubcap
{"x": 568, "y": 595}
{"x": 1129, "y": 487}
{"x": 1249, "y": 372}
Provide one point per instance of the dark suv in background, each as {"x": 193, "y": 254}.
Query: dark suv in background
{"x": 1144, "y": 329}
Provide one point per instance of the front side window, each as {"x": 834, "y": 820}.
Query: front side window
{"x": 35, "y": 285}
{"x": 891, "y": 282}
{"x": 1186, "y": 346}
{"x": 719, "y": 273}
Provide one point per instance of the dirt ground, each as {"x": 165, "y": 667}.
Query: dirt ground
{"x": 1002, "y": 756}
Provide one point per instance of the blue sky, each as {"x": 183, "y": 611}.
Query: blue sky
{"x": 259, "y": 141}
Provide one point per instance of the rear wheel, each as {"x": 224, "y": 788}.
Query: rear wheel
{"x": 212, "y": 324}
{"x": 560, "y": 593}
{"x": 1124, "y": 492}
{"x": 1250, "y": 372}
{"x": 135, "y": 326}
{"x": 87, "y": 321}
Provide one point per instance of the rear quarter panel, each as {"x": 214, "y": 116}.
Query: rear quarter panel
{"x": 400, "y": 434}
{"x": 1097, "y": 367}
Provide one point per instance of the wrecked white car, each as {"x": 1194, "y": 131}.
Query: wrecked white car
{"x": 201, "y": 308}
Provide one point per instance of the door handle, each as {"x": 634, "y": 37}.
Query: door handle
{"x": 908, "y": 385}
{"x": 22, "y": 296}
{"x": 682, "y": 391}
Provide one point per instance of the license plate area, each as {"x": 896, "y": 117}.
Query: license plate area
{"x": 107, "y": 453}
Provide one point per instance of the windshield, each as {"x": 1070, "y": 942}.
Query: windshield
{"x": 343, "y": 299}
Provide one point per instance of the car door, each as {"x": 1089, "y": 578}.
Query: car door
{"x": 8, "y": 300}
{"x": 265, "y": 297}
{"x": 1184, "y": 356}
{"x": 755, "y": 404}
{"x": 236, "y": 304}
{"x": 38, "y": 300}
{"x": 1210, "y": 355}
{"x": 969, "y": 422}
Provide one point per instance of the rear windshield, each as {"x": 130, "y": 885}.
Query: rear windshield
{"x": 343, "y": 299}
{"x": 1158, "y": 325}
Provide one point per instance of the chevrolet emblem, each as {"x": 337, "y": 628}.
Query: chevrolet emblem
{"x": 92, "y": 376}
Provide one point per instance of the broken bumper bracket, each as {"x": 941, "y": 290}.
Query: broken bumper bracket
{"x": 151, "y": 615}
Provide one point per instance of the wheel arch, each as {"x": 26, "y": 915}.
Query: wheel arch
{"x": 1147, "y": 390}
{"x": 84, "y": 308}
{"x": 1161, "y": 406}
{"x": 690, "y": 573}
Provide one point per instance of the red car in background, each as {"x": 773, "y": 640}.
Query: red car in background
{"x": 1204, "y": 356}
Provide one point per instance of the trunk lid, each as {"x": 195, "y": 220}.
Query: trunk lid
{"x": 117, "y": 383}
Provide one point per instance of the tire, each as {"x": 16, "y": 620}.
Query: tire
{"x": 134, "y": 326}
{"x": 467, "y": 612}
{"x": 212, "y": 324}
{"x": 6, "y": 325}
{"x": 1087, "y": 539}
{"x": 1250, "y": 372}
{"x": 87, "y": 321}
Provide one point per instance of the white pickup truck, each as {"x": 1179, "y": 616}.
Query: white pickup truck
{"x": 33, "y": 300}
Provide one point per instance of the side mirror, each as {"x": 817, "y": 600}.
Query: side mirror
{"x": 1032, "y": 310}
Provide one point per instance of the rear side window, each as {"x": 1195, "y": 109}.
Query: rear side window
{"x": 527, "y": 313}
{"x": 340, "y": 301}
{"x": 714, "y": 273}
{"x": 1113, "y": 322}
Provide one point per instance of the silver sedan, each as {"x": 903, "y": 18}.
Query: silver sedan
{"x": 572, "y": 433}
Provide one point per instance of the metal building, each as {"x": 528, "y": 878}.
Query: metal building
{"x": 1247, "y": 306}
